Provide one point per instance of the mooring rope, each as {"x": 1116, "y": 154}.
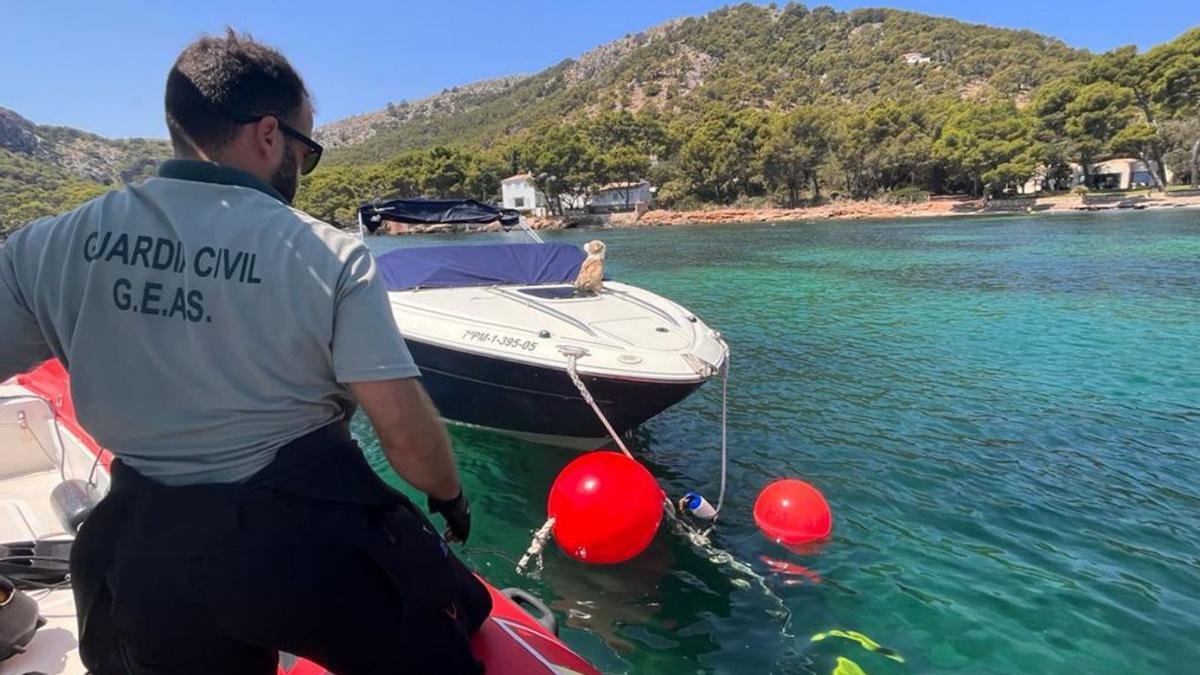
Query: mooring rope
{"x": 537, "y": 545}
{"x": 573, "y": 354}
{"x": 724, "y": 427}
{"x": 542, "y": 536}
{"x": 696, "y": 537}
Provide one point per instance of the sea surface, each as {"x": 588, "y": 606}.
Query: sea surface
{"x": 1004, "y": 414}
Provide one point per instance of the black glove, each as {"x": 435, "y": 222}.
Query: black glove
{"x": 457, "y": 513}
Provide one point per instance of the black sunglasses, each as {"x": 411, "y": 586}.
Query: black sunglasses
{"x": 311, "y": 158}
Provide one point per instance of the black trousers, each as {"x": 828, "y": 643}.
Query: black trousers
{"x": 314, "y": 556}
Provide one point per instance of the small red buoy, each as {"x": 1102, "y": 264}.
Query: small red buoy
{"x": 791, "y": 511}
{"x": 606, "y": 508}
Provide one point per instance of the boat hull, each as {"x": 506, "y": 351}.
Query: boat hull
{"x": 537, "y": 402}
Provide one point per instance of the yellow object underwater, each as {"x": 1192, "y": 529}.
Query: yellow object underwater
{"x": 861, "y": 639}
{"x": 847, "y": 667}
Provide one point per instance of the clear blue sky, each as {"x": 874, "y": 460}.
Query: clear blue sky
{"x": 100, "y": 66}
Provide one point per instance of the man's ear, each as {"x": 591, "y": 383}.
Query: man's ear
{"x": 265, "y": 137}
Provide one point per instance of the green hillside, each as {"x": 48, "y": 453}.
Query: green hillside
{"x": 783, "y": 107}
{"x": 30, "y": 189}
{"x": 44, "y": 169}
{"x": 750, "y": 56}
{"x": 749, "y": 105}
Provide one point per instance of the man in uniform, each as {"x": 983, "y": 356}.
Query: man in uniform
{"x": 218, "y": 341}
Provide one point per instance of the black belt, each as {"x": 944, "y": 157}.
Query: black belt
{"x": 312, "y": 489}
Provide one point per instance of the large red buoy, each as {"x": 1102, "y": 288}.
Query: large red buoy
{"x": 791, "y": 511}
{"x": 606, "y": 508}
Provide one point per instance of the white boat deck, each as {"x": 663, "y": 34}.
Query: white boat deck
{"x": 30, "y": 454}
{"x": 627, "y": 332}
{"x": 25, "y": 515}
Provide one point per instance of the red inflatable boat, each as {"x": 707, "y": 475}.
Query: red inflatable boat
{"x": 43, "y": 445}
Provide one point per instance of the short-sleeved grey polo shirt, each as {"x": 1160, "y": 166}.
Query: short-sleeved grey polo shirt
{"x": 205, "y": 323}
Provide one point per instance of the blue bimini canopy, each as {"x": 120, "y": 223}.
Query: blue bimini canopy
{"x": 435, "y": 211}
{"x": 488, "y": 265}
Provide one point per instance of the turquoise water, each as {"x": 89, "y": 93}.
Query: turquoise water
{"x": 1004, "y": 414}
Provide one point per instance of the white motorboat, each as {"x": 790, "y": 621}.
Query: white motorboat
{"x": 497, "y": 328}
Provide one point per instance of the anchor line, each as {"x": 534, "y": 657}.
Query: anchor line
{"x": 699, "y": 539}
{"x": 695, "y": 536}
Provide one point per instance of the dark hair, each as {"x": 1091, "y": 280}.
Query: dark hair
{"x": 219, "y": 81}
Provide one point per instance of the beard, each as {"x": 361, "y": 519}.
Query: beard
{"x": 286, "y": 179}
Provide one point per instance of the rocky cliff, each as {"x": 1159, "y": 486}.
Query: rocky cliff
{"x": 78, "y": 153}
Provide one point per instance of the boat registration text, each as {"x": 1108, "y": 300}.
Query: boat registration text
{"x": 501, "y": 340}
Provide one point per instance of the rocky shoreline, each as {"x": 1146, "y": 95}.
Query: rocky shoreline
{"x": 846, "y": 210}
{"x": 938, "y": 206}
